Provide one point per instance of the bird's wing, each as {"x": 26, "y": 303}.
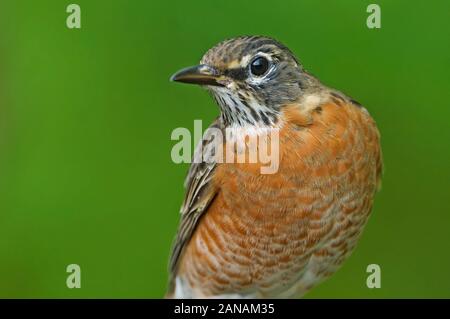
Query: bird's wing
{"x": 199, "y": 194}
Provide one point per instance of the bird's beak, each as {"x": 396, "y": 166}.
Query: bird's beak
{"x": 200, "y": 74}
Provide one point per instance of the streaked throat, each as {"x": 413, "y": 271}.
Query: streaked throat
{"x": 241, "y": 109}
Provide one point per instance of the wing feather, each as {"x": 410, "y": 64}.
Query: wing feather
{"x": 199, "y": 195}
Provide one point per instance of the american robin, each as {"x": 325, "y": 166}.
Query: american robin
{"x": 252, "y": 235}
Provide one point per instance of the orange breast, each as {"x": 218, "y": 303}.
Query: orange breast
{"x": 262, "y": 231}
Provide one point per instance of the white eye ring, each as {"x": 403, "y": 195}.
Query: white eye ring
{"x": 259, "y": 66}
{"x": 257, "y": 79}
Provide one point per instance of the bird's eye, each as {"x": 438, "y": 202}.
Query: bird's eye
{"x": 259, "y": 66}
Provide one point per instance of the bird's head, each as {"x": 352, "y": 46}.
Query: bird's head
{"x": 250, "y": 77}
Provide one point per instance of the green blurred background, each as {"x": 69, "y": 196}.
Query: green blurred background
{"x": 86, "y": 115}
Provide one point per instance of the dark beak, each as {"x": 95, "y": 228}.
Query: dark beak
{"x": 200, "y": 74}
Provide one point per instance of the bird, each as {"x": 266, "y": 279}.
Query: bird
{"x": 244, "y": 234}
